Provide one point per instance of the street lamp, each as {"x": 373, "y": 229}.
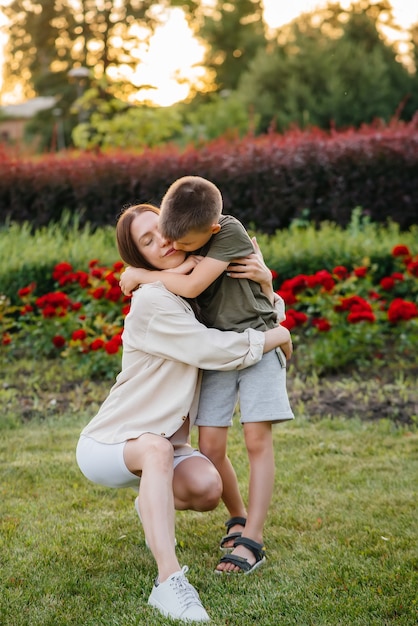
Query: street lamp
{"x": 80, "y": 76}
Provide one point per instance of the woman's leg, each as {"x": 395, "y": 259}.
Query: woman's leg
{"x": 153, "y": 456}
{"x": 259, "y": 442}
{"x": 197, "y": 485}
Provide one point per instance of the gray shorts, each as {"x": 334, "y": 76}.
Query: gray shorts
{"x": 260, "y": 388}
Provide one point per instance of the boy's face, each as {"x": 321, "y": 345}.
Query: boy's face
{"x": 196, "y": 239}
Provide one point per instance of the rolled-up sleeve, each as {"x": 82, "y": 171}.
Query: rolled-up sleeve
{"x": 173, "y": 332}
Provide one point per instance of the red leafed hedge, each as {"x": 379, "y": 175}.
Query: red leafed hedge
{"x": 266, "y": 181}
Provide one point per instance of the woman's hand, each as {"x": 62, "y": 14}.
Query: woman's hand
{"x": 253, "y": 268}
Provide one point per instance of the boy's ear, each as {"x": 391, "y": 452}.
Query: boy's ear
{"x": 215, "y": 228}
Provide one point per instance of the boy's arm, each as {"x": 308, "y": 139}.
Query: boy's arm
{"x": 188, "y": 286}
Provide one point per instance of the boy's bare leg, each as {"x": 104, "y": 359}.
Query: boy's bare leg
{"x": 213, "y": 444}
{"x": 259, "y": 442}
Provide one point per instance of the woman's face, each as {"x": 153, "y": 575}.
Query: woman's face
{"x": 155, "y": 249}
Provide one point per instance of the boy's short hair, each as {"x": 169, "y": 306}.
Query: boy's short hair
{"x": 191, "y": 203}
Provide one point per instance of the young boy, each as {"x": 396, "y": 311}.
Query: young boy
{"x": 191, "y": 217}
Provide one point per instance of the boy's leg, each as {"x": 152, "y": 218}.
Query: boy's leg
{"x": 259, "y": 442}
{"x": 213, "y": 444}
{"x": 218, "y": 397}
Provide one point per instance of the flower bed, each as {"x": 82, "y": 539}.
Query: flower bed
{"x": 342, "y": 317}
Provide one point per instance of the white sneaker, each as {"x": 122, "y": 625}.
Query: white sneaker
{"x": 178, "y": 599}
{"x": 139, "y": 515}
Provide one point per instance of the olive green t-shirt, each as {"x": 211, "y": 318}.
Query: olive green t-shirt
{"x": 233, "y": 303}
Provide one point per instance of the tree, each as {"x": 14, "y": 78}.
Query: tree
{"x": 331, "y": 66}
{"x": 233, "y": 32}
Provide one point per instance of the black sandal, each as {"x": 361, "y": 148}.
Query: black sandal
{"x": 233, "y": 521}
{"x": 256, "y": 548}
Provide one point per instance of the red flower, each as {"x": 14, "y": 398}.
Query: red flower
{"x": 97, "y": 344}
{"x": 6, "y": 339}
{"x": 126, "y": 309}
{"x": 288, "y": 296}
{"x": 325, "y": 279}
{"x": 98, "y": 293}
{"x": 111, "y": 279}
{"x": 61, "y": 269}
{"x": 412, "y": 268}
{"x": 58, "y": 341}
{"x": 397, "y": 276}
{"x": 360, "y": 272}
{"x": 354, "y": 317}
{"x": 54, "y": 299}
{"x": 340, "y": 271}
{"x": 294, "y": 318}
{"x": 400, "y": 250}
{"x": 295, "y": 284}
{"x": 28, "y": 308}
{"x": 113, "y": 293}
{"x": 49, "y": 311}
{"x": 93, "y": 262}
{"x": 79, "y": 334}
{"x": 76, "y": 306}
{"x": 83, "y": 279}
{"x": 112, "y": 346}
{"x": 118, "y": 266}
{"x": 387, "y": 283}
{"x": 26, "y": 291}
{"x": 97, "y": 272}
{"x": 321, "y": 324}
{"x": 353, "y": 302}
{"x": 402, "y": 310}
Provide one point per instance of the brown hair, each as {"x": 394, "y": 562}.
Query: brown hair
{"x": 127, "y": 248}
{"x": 191, "y": 203}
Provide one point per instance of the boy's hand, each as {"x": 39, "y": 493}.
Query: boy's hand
{"x": 187, "y": 266}
{"x": 128, "y": 280}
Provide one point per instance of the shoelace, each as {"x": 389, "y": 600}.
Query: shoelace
{"x": 187, "y": 594}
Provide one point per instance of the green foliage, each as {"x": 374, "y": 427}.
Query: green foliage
{"x": 113, "y": 124}
{"x": 233, "y": 32}
{"x": 330, "y": 67}
{"x": 27, "y": 256}
{"x": 221, "y": 115}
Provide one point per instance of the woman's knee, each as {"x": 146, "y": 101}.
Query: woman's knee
{"x": 197, "y": 485}
{"x": 147, "y": 451}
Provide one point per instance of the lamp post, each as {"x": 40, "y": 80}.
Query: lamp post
{"x": 80, "y": 76}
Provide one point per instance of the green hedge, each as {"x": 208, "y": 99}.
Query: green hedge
{"x": 267, "y": 182}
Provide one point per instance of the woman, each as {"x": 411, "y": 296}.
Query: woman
{"x": 140, "y": 436}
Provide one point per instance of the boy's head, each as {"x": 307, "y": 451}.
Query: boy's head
{"x": 190, "y": 212}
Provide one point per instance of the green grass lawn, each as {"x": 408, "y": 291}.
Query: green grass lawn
{"x": 341, "y": 537}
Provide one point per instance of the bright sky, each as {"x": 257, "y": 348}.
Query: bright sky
{"x": 165, "y": 62}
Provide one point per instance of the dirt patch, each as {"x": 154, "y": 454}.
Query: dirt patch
{"x": 27, "y": 395}
{"x": 367, "y": 398}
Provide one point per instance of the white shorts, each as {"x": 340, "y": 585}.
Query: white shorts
{"x": 103, "y": 463}
{"x": 261, "y": 389}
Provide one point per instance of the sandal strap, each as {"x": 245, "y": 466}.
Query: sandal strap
{"x": 235, "y": 521}
{"x": 256, "y": 548}
{"x": 239, "y": 561}
{"x": 230, "y": 537}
